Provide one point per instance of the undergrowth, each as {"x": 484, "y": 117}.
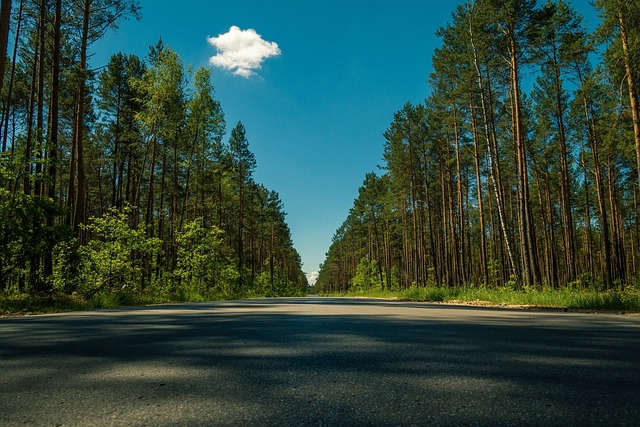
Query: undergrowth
{"x": 627, "y": 299}
{"x": 24, "y": 304}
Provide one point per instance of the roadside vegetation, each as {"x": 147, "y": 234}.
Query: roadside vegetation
{"x": 28, "y": 304}
{"x": 119, "y": 266}
{"x": 517, "y": 180}
{"x": 623, "y": 300}
{"x": 119, "y": 185}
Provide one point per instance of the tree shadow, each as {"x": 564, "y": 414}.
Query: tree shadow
{"x": 269, "y": 362}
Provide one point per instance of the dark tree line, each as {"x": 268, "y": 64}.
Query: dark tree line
{"x": 120, "y": 179}
{"x": 521, "y": 167}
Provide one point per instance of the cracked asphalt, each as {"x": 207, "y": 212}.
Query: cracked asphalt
{"x": 319, "y": 362}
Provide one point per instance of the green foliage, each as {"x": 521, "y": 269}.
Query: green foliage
{"x": 117, "y": 256}
{"x": 495, "y": 182}
{"x": 65, "y": 266}
{"x": 26, "y": 239}
{"x": 627, "y": 299}
{"x": 28, "y": 303}
{"x": 367, "y": 276}
{"x": 150, "y": 136}
{"x": 163, "y": 83}
{"x": 427, "y": 294}
{"x": 205, "y": 262}
{"x": 106, "y": 299}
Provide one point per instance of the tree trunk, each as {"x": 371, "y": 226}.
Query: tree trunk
{"x": 387, "y": 254}
{"x": 78, "y": 133}
{"x": 241, "y": 231}
{"x": 631, "y": 83}
{"x": 635, "y": 240}
{"x": 26, "y": 179}
{"x": 429, "y": 218}
{"x": 40, "y": 100}
{"x": 460, "y": 249}
{"x": 476, "y": 157}
{"x": 490, "y": 154}
{"x": 53, "y": 132}
{"x": 116, "y": 156}
{"x": 150, "y": 196}
{"x": 161, "y": 219}
{"x": 617, "y": 230}
{"x": 531, "y": 270}
{"x": 568, "y": 234}
{"x": 271, "y": 257}
{"x": 4, "y": 124}
{"x": 600, "y": 192}
{"x": 405, "y": 243}
{"x": 588, "y": 240}
{"x": 5, "y": 19}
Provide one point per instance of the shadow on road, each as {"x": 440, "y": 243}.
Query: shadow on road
{"x": 319, "y": 361}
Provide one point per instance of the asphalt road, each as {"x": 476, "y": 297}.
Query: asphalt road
{"x": 320, "y": 361}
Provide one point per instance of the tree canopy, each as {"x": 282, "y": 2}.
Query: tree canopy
{"x": 496, "y": 180}
{"x": 121, "y": 181}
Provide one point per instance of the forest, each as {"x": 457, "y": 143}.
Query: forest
{"x": 521, "y": 168}
{"x": 119, "y": 183}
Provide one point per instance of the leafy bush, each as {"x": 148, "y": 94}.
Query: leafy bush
{"x": 25, "y": 240}
{"x": 65, "y": 266}
{"x": 367, "y": 276}
{"x": 205, "y": 262}
{"x": 115, "y": 257}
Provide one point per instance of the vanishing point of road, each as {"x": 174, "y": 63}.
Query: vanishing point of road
{"x": 320, "y": 361}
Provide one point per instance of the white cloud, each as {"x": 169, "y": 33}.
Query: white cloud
{"x": 241, "y": 51}
{"x": 313, "y": 278}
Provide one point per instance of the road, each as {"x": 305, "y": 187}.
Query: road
{"x": 320, "y": 361}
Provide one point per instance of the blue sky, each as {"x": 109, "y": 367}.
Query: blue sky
{"x": 315, "y": 114}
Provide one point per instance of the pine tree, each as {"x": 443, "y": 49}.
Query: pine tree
{"x": 244, "y": 164}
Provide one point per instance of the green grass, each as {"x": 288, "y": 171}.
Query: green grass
{"x": 627, "y": 300}
{"x": 24, "y": 304}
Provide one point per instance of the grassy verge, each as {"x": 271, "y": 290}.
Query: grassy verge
{"x": 627, "y": 300}
{"x": 24, "y": 304}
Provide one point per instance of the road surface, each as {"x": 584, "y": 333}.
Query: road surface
{"x": 319, "y": 361}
